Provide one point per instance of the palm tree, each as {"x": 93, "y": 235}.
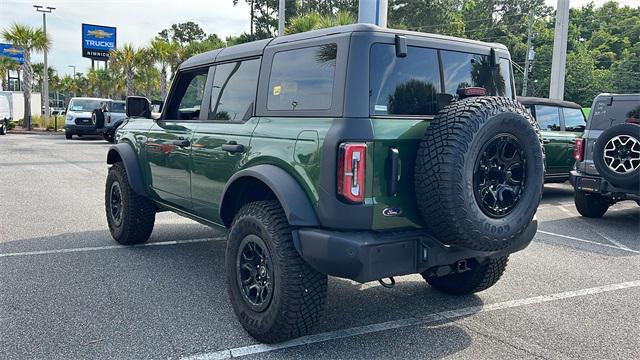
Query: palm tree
{"x": 314, "y": 21}
{"x": 128, "y": 60}
{"x": 31, "y": 40}
{"x": 164, "y": 53}
{"x": 6, "y": 65}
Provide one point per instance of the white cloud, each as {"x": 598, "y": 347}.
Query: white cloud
{"x": 137, "y": 21}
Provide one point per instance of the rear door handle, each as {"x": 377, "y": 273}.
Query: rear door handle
{"x": 546, "y": 141}
{"x": 181, "y": 143}
{"x": 233, "y": 147}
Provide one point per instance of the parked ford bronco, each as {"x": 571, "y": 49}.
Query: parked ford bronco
{"x": 560, "y": 123}
{"x": 608, "y": 156}
{"x": 357, "y": 152}
{"x": 108, "y": 117}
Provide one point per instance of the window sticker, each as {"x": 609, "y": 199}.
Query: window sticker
{"x": 277, "y": 90}
{"x": 380, "y": 108}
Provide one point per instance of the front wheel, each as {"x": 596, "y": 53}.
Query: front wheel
{"x": 68, "y": 136}
{"x": 130, "y": 216}
{"x": 591, "y": 205}
{"x": 3, "y": 128}
{"x": 479, "y": 277}
{"x": 275, "y": 294}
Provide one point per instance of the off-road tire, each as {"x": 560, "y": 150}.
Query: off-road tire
{"x": 138, "y": 212}
{"x": 3, "y": 127}
{"x": 630, "y": 180}
{"x": 299, "y": 291}
{"x": 591, "y": 205}
{"x": 481, "y": 277}
{"x": 68, "y": 136}
{"x": 445, "y": 165}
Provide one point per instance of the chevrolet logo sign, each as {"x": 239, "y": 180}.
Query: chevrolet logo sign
{"x": 13, "y": 51}
{"x": 100, "y": 34}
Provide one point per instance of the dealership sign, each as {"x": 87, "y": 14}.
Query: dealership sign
{"x": 98, "y": 41}
{"x": 12, "y": 52}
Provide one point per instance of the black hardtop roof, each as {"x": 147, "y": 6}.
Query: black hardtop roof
{"x": 529, "y": 100}
{"x": 256, "y": 48}
{"x": 620, "y": 96}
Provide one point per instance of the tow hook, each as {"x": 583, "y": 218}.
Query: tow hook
{"x": 461, "y": 266}
{"x": 390, "y": 284}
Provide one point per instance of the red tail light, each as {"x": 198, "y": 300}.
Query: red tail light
{"x": 351, "y": 171}
{"x": 578, "y": 150}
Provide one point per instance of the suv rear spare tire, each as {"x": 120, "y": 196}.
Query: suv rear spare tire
{"x": 617, "y": 155}
{"x": 479, "y": 173}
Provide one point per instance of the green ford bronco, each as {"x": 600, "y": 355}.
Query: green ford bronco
{"x": 357, "y": 152}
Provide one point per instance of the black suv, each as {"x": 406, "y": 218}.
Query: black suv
{"x": 608, "y": 156}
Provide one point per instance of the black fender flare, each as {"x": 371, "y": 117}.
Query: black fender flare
{"x": 124, "y": 152}
{"x": 295, "y": 202}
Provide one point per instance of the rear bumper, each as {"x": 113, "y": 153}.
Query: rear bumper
{"x": 365, "y": 256}
{"x": 81, "y": 129}
{"x": 597, "y": 184}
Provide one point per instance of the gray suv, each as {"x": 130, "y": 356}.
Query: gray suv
{"x": 608, "y": 156}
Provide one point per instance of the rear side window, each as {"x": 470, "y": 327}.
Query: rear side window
{"x": 404, "y": 85}
{"x": 548, "y": 117}
{"x": 302, "y": 79}
{"x": 234, "y": 90}
{"x": 573, "y": 120}
{"x": 117, "y": 107}
{"x": 603, "y": 115}
{"x": 466, "y": 70}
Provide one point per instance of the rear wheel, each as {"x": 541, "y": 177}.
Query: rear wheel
{"x": 479, "y": 277}
{"x": 591, "y": 205}
{"x": 3, "y": 127}
{"x": 275, "y": 294}
{"x": 130, "y": 216}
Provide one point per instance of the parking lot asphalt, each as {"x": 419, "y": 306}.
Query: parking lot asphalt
{"x": 67, "y": 291}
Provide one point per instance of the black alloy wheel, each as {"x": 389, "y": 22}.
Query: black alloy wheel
{"x": 255, "y": 272}
{"x": 116, "y": 205}
{"x": 499, "y": 176}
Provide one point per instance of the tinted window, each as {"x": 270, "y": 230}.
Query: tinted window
{"x": 573, "y": 120}
{"x": 234, "y": 90}
{"x": 548, "y": 117}
{"x": 302, "y": 79}
{"x": 466, "y": 70}
{"x": 117, "y": 107}
{"x": 82, "y": 105}
{"x": 604, "y": 115}
{"x": 404, "y": 85}
{"x": 186, "y": 96}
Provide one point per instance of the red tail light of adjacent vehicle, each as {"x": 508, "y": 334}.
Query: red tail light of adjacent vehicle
{"x": 578, "y": 150}
{"x": 351, "y": 171}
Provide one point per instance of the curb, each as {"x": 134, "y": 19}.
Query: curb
{"x": 27, "y": 132}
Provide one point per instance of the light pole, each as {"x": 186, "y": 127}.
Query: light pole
{"x": 45, "y": 86}
{"x": 74, "y": 70}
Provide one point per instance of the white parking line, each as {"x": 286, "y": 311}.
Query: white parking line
{"x": 108, "y": 247}
{"x": 590, "y": 242}
{"x": 403, "y": 323}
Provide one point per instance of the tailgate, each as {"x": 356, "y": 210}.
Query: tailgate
{"x": 399, "y": 210}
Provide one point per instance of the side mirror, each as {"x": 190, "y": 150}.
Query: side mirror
{"x": 138, "y": 106}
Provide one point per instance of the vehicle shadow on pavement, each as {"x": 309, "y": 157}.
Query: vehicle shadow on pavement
{"x": 178, "y": 294}
{"x": 161, "y": 233}
{"x": 616, "y": 229}
{"x": 557, "y": 193}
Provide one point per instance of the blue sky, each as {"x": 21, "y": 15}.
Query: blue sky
{"x": 137, "y": 21}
